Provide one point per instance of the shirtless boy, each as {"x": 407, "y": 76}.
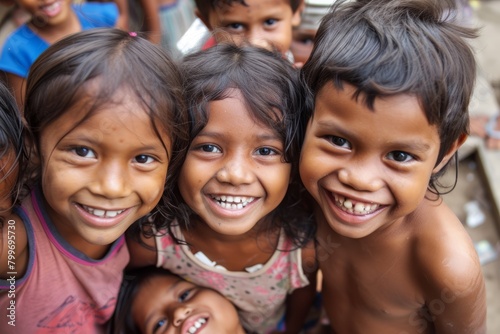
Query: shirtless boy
{"x": 391, "y": 83}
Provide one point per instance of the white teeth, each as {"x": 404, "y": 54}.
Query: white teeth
{"x": 102, "y": 213}
{"x": 352, "y": 207}
{"x": 233, "y": 202}
{"x": 193, "y": 329}
{"x": 348, "y": 204}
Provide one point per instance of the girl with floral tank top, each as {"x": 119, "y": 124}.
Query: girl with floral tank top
{"x": 238, "y": 221}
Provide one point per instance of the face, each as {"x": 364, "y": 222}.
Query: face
{"x": 100, "y": 174}
{"x": 367, "y": 169}
{"x": 168, "y": 304}
{"x": 50, "y": 12}
{"x": 8, "y": 176}
{"x": 265, "y": 23}
{"x": 234, "y": 174}
{"x": 302, "y": 44}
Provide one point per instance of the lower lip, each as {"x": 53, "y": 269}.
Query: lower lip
{"x": 101, "y": 222}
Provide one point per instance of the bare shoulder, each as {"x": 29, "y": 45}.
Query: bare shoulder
{"x": 13, "y": 247}
{"x": 448, "y": 270}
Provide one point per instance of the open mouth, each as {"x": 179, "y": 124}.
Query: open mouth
{"x": 353, "y": 207}
{"x": 102, "y": 213}
{"x": 197, "y": 325}
{"x": 233, "y": 202}
{"x": 52, "y": 9}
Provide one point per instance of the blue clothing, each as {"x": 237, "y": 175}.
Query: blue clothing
{"x": 23, "y": 46}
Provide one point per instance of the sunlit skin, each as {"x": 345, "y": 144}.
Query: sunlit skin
{"x": 100, "y": 174}
{"x": 170, "y": 305}
{"x": 266, "y": 23}
{"x": 234, "y": 156}
{"x": 387, "y": 247}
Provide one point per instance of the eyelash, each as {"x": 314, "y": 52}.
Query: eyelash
{"x": 408, "y": 157}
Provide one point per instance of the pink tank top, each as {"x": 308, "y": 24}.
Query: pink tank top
{"x": 63, "y": 290}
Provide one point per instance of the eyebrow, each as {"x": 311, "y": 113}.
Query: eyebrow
{"x": 220, "y": 135}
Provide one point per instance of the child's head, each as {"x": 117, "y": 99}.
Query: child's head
{"x": 261, "y": 22}
{"x": 400, "y": 47}
{"x": 106, "y": 110}
{"x": 303, "y": 35}
{"x": 12, "y": 151}
{"x": 153, "y": 300}
{"x": 244, "y": 105}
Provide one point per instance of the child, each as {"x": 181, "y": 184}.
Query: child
{"x": 49, "y": 23}
{"x": 261, "y": 22}
{"x": 104, "y": 145}
{"x": 239, "y": 226}
{"x": 155, "y": 300}
{"x": 390, "y": 112}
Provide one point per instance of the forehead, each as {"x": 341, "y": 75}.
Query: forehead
{"x": 253, "y": 7}
{"x": 394, "y": 116}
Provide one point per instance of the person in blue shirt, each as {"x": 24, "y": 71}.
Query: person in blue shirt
{"x": 49, "y": 23}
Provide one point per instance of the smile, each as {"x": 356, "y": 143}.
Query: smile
{"x": 102, "y": 213}
{"x": 197, "y": 325}
{"x": 233, "y": 202}
{"x": 357, "y": 208}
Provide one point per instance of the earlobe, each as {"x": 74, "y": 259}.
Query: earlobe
{"x": 453, "y": 149}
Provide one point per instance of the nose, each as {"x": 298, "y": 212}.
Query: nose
{"x": 257, "y": 38}
{"x": 112, "y": 180}
{"x": 180, "y": 313}
{"x": 361, "y": 177}
{"x": 235, "y": 173}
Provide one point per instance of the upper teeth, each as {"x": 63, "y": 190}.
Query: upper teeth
{"x": 355, "y": 207}
{"x": 102, "y": 213}
{"x": 193, "y": 329}
{"x": 233, "y": 202}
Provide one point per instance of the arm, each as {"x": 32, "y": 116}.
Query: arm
{"x": 123, "y": 15}
{"x": 142, "y": 252}
{"x": 300, "y": 301}
{"x": 13, "y": 247}
{"x": 17, "y": 86}
{"x": 152, "y": 24}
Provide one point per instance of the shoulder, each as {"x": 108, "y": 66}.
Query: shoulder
{"x": 97, "y": 14}
{"x": 447, "y": 269}
{"x": 20, "y": 50}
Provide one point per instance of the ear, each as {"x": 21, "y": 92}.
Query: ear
{"x": 297, "y": 16}
{"x": 454, "y": 147}
{"x": 203, "y": 19}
